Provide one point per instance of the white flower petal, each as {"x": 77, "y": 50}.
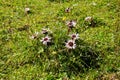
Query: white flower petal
{"x": 45, "y": 40}
{"x": 89, "y": 18}
{"x": 69, "y": 46}
{"x": 27, "y": 9}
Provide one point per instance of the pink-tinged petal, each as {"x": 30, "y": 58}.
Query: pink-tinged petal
{"x": 70, "y": 44}
{"x": 46, "y": 40}
{"x": 89, "y": 18}
{"x": 74, "y": 36}
{"x": 71, "y": 24}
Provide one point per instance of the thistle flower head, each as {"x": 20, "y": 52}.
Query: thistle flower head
{"x": 45, "y": 31}
{"x": 70, "y": 44}
{"x": 67, "y": 10}
{"x": 71, "y": 23}
{"x": 35, "y": 35}
{"x": 89, "y": 19}
{"x": 74, "y": 36}
{"x": 46, "y": 40}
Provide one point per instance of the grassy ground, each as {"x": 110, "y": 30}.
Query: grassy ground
{"x": 97, "y": 54}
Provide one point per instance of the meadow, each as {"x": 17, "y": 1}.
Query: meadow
{"x": 59, "y": 39}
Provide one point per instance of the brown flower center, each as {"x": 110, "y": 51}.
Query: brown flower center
{"x": 45, "y": 39}
{"x": 70, "y": 24}
{"x": 73, "y": 36}
{"x": 70, "y": 44}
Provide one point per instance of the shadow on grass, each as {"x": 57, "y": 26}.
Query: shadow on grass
{"x": 77, "y": 61}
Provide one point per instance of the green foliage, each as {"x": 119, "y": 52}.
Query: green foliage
{"x": 59, "y": 0}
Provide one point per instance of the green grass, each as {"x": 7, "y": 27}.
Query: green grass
{"x": 97, "y": 54}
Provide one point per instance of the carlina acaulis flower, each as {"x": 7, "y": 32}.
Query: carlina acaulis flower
{"x": 46, "y": 40}
{"x": 71, "y": 23}
{"x": 67, "y": 10}
{"x": 74, "y": 36}
{"x": 70, "y": 44}
{"x": 35, "y": 35}
{"x": 45, "y": 31}
{"x": 27, "y": 10}
{"x": 88, "y": 19}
